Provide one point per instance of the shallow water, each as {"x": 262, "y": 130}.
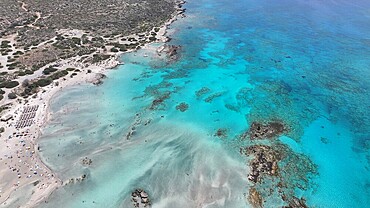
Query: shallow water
{"x": 302, "y": 63}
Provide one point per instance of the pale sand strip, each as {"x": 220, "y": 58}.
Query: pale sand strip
{"x": 19, "y": 161}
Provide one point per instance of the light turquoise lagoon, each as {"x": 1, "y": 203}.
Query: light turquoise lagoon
{"x": 305, "y": 64}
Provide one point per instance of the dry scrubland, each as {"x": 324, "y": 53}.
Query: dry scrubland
{"x": 35, "y": 35}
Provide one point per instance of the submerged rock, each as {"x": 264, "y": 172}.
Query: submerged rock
{"x": 202, "y": 91}
{"x": 255, "y": 198}
{"x": 98, "y": 80}
{"x": 297, "y": 203}
{"x": 265, "y": 131}
{"x": 171, "y": 51}
{"x": 75, "y": 180}
{"x": 210, "y": 98}
{"x": 159, "y": 101}
{"x": 221, "y": 133}
{"x": 182, "y": 107}
{"x": 86, "y": 161}
{"x": 265, "y": 161}
{"x": 284, "y": 171}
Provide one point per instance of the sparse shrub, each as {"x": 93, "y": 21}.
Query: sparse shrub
{"x": 76, "y": 41}
{"x": 21, "y": 73}
{"x": 59, "y": 74}
{"x": 28, "y": 72}
{"x": 11, "y": 84}
{"x": 43, "y": 82}
{"x": 99, "y": 57}
{"x": 12, "y": 95}
{"x": 49, "y": 70}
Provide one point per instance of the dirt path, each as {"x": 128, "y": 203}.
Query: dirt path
{"x": 23, "y": 6}
{"x": 38, "y": 16}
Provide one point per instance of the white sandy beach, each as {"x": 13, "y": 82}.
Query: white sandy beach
{"x": 19, "y": 156}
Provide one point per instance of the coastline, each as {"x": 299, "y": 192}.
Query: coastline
{"x": 42, "y": 185}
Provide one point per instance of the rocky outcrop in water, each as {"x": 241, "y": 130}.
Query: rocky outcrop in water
{"x": 131, "y": 132}
{"x": 182, "y": 107}
{"x": 75, "y": 180}
{"x": 202, "y": 91}
{"x": 221, "y": 133}
{"x": 86, "y": 161}
{"x": 297, "y": 203}
{"x": 276, "y": 164}
{"x": 171, "y": 51}
{"x": 265, "y": 161}
{"x": 255, "y": 198}
{"x": 156, "y": 103}
{"x": 265, "y": 130}
{"x": 140, "y": 198}
{"x": 98, "y": 80}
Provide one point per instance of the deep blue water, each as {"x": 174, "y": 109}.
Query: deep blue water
{"x": 304, "y": 63}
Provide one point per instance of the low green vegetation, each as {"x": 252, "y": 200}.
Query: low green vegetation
{"x": 9, "y": 84}
{"x": 21, "y": 73}
{"x": 12, "y": 65}
{"x": 32, "y": 87}
{"x": 18, "y": 53}
{"x": 5, "y": 44}
{"x": 70, "y": 69}
{"x": 76, "y": 41}
{"x": 43, "y": 82}
{"x": 114, "y": 50}
{"x": 11, "y": 60}
{"x": 49, "y": 70}
{"x": 58, "y": 74}
{"x": 84, "y": 39}
{"x": 99, "y": 57}
{"x": 118, "y": 47}
{"x": 28, "y": 72}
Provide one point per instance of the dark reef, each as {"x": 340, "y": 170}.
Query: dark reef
{"x": 266, "y": 131}
{"x": 276, "y": 164}
{"x": 182, "y": 107}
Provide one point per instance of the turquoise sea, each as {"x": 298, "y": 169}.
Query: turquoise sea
{"x": 303, "y": 63}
